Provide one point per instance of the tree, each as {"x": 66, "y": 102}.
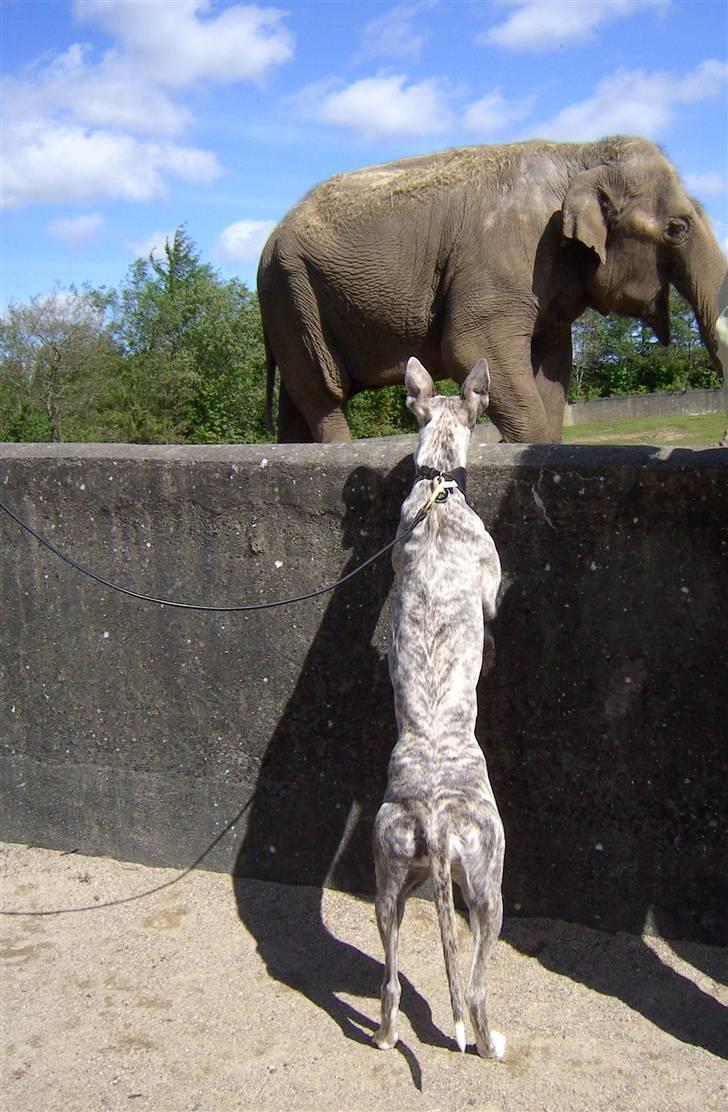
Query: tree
{"x": 55, "y": 353}
{"x": 193, "y": 366}
{"x": 617, "y": 355}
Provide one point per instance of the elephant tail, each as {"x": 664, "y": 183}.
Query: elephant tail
{"x": 270, "y": 382}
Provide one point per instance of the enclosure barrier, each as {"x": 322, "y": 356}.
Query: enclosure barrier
{"x": 142, "y": 732}
{"x": 633, "y": 407}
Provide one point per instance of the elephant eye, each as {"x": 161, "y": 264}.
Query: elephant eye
{"x": 677, "y": 230}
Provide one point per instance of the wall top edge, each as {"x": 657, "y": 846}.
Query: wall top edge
{"x": 383, "y": 453}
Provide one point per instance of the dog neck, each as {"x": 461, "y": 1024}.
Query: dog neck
{"x": 457, "y": 476}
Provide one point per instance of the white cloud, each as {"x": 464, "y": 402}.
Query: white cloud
{"x": 537, "y": 25}
{"x": 47, "y": 163}
{"x": 635, "y": 103}
{"x": 181, "y": 43}
{"x": 712, "y": 183}
{"x": 76, "y": 230}
{"x": 494, "y": 112}
{"x": 78, "y": 130}
{"x": 398, "y": 33}
{"x": 244, "y": 240}
{"x": 111, "y": 94}
{"x": 384, "y": 106}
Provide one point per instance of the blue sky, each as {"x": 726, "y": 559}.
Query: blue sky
{"x": 126, "y": 118}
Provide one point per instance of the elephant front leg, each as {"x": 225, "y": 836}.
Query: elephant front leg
{"x": 501, "y": 330}
{"x": 551, "y": 358}
{"x": 516, "y": 407}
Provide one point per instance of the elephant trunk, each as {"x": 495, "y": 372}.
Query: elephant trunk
{"x": 698, "y": 276}
{"x": 657, "y": 315}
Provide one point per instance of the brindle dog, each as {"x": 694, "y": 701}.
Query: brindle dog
{"x": 439, "y": 814}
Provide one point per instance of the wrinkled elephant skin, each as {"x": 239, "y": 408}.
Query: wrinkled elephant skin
{"x": 478, "y": 251}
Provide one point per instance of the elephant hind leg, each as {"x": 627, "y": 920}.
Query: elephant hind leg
{"x": 314, "y": 382}
{"x": 316, "y": 419}
{"x": 333, "y": 427}
{"x": 292, "y": 425}
{"x": 307, "y": 408}
{"x": 309, "y": 399}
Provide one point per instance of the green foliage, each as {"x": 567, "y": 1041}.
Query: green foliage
{"x": 380, "y": 413}
{"x": 175, "y": 355}
{"x": 384, "y": 412}
{"x": 55, "y": 353}
{"x": 193, "y": 366}
{"x": 616, "y": 355}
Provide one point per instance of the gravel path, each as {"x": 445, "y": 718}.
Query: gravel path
{"x": 209, "y": 996}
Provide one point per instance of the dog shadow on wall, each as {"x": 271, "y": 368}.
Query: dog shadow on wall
{"x": 321, "y": 783}
{"x": 604, "y": 726}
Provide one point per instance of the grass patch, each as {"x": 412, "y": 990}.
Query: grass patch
{"x": 689, "y": 431}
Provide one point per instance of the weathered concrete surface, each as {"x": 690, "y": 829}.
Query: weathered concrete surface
{"x": 169, "y": 1003}
{"x": 143, "y": 732}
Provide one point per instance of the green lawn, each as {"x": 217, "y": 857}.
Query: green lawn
{"x": 700, "y": 431}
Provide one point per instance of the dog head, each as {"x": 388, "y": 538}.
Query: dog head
{"x": 445, "y": 422}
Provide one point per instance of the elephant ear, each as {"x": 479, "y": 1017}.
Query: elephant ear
{"x": 475, "y": 391}
{"x": 583, "y": 211}
{"x": 420, "y": 388}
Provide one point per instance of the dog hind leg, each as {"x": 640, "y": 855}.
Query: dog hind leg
{"x": 482, "y": 892}
{"x": 392, "y": 891}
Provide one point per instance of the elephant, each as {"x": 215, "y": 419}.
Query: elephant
{"x": 476, "y": 251}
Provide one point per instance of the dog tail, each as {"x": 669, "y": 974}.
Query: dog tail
{"x": 439, "y": 855}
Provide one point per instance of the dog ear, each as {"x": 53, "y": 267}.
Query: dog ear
{"x": 420, "y": 388}
{"x": 475, "y": 390}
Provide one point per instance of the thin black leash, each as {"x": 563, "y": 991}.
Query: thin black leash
{"x": 147, "y": 891}
{"x": 217, "y": 609}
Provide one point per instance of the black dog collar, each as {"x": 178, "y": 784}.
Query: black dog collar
{"x": 456, "y": 476}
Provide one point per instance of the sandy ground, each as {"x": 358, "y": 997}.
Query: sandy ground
{"x": 169, "y": 1002}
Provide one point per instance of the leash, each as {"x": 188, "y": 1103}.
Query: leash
{"x": 438, "y": 493}
{"x": 147, "y": 891}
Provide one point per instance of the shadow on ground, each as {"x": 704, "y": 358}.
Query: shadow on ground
{"x": 626, "y": 967}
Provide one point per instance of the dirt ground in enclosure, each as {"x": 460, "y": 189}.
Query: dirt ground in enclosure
{"x": 169, "y": 1003}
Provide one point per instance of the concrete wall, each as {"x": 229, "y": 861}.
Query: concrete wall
{"x": 142, "y": 732}
{"x": 635, "y": 406}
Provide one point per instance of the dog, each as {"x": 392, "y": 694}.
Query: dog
{"x": 439, "y": 815}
